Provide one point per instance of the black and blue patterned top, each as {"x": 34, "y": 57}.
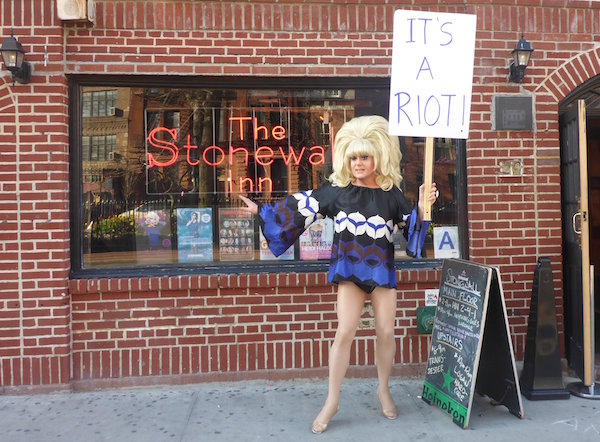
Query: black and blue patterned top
{"x": 363, "y": 248}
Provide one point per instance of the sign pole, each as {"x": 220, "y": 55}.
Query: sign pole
{"x": 428, "y": 160}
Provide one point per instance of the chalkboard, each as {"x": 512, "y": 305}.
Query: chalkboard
{"x": 467, "y": 325}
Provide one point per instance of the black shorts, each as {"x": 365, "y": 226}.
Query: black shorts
{"x": 367, "y": 288}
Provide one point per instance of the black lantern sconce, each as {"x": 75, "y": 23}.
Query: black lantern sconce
{"x": 13, "y": 56}
{"x": 521, "y": 55}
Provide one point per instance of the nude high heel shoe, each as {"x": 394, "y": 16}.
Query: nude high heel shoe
{"x": 321, "y": 427}
{"x": 390, "y": 412}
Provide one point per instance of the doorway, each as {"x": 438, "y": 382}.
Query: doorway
{"x": 594, "y": 209}
{"x": 580, "y": 203}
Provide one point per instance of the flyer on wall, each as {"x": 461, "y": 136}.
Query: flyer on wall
{"x": 194, "y": 235}
{"x": 316, "y": 241}
{"x": 236, "y": 235}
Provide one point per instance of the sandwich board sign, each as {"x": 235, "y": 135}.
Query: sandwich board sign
{"x": 471, "y": 349}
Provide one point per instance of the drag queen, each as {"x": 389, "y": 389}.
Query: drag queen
{"x": 364, "y": 200}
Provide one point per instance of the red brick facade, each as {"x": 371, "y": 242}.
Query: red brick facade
{"x": 54, "y": 331}
{"x": 213, "y": 324}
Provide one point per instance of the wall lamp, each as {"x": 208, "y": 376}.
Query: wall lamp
{"x": 13, "y": 56}
{"x": 521, "y": 54}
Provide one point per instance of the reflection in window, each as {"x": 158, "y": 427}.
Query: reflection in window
{"x": 99, "y": 103}
{"x": 98, "y": 148}
{"x": 161, "y": 178}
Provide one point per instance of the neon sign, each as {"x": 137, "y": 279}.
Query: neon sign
{"x": 164, "y": 140}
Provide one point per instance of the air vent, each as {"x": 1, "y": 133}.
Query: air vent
{"x": 76, "y": 10}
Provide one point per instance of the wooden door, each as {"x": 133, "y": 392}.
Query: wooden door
{"x": 576, "y": 253}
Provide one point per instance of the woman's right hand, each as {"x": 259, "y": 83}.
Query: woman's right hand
{"x": 251, "y": 206}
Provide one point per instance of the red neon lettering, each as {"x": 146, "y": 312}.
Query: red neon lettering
{"x": 292, "y": 155}
{"x": 232, "y": 152}
{"x": 161, "y": 144}
{"x": 189, "y": 146}
{"x": 278, "y": 133}
{"x": 220, "y": 151}
{"x": 256, "y": 129}
{"x": 246, "y": 180}
{"x": 267, "y": 180}
{"x": 215, "y": 156}
{"x": 241, "y": 124}
{"x": 260, "y": 157}
{"x": 320, "y": 153}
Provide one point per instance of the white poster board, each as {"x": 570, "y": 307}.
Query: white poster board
{"x": 432, "y": 74}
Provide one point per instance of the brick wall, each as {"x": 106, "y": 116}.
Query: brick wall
{"x": 184, "y": 325}
{"x": 34, "y": 206}
{"x": 172, "y": 325}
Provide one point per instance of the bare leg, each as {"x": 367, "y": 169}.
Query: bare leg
{"x": 384, "y": 309}
{"x": 350, "y": 301}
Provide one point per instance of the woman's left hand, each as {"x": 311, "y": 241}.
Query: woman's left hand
{"x": 250, "y": 207}
{"x": 432, "y": 197}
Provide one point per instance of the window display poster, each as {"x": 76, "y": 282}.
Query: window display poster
{"x": 266, "y": 254}
{"x": 316, "y": 241}
{"x": 236, "y": 235}
{"x": 152, "y": 231}
{"x": 194, "y": 235}
{"x": 445, "y": 242}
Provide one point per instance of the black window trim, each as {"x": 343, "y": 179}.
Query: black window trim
{"x": 75, "y": 127}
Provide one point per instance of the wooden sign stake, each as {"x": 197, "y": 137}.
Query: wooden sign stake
{"x": 428, "y": 160}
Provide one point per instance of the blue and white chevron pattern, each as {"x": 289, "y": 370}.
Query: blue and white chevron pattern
{"x": 356, "y": 223}
{"x": 308, "y": 207}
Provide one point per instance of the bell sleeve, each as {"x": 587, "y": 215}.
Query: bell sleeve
{"x": 285, "y": 220}
{"x": 414, "y": 232}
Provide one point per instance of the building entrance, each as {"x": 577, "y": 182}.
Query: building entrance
{"x": 580, "y": 197}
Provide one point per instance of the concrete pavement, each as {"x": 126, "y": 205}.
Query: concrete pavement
{"x": 280, "y": 411}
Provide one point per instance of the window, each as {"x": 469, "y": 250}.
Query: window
{"x": 157, "y": 182}
{"x": 99, "y": 103}
{"x": 98, "y": 148}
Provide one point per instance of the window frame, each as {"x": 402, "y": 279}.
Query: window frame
{"x": 76, "y": 82}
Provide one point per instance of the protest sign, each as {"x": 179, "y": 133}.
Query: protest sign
{"x": 432, "y": 74}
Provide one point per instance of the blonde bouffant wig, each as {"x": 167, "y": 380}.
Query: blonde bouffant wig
{"x": 367, "y": 135}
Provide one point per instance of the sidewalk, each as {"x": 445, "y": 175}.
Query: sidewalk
{"x": 280, "y": 411}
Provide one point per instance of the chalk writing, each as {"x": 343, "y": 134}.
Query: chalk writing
{"x": 457, "y": 330}
{"x": 462, "y": 282}
{"x": 574, "y": 424}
